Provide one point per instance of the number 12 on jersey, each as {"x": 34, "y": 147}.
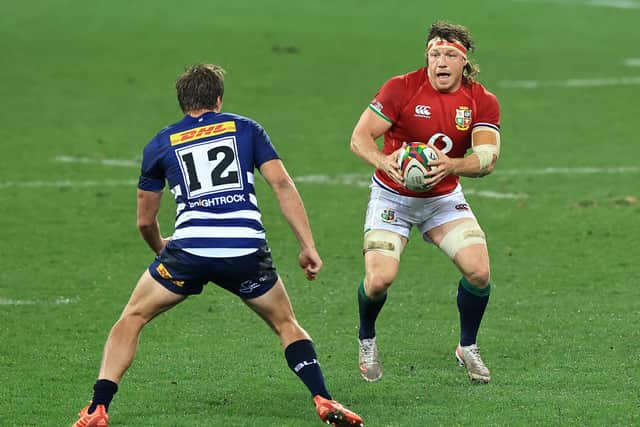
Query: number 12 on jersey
{"x": 210, "y": 167}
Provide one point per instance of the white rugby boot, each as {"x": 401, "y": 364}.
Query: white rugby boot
{"x": 370, "y": 367}
{"x": 469, "y": 357}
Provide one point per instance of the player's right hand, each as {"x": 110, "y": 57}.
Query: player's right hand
{"x": 310, "y": 262}
{"x": 391, "y": 166}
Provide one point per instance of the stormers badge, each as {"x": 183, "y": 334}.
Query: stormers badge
{"x": 388, "y": 215}
{"x": 463, "y": 118}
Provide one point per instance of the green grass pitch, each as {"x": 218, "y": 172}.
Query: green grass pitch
{"x": 84, "y": 85}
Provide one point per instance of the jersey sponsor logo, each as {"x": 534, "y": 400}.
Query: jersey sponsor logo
{"x": 376, "y": 105}
{"x": 217, "y": 201}
{"x": 441, "y": 141}
{"x": 164, "y": 273}
{"x": 202, "y": 131}
{"x": 423, "y": 111}
{"x": 463, "y": 118}
{"x": 388, "y": 215}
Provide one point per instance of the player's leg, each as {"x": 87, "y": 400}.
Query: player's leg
{"x": 148, "y": 300}
{"x": 382, "y": 249}
{"x": 463, "y": 241}
{"x": 387, "y": 228}
{"x": 274, "y": 307}
{"x": 381, "y": 263}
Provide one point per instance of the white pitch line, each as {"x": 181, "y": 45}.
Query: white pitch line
{"x": 352, "y": 179}
{"x": 570, "y": 83}
{"x": 615, "y": 4}
{"x": 355, "y": 179}
{"x": 570, "y": 171}
{"x": 90, "y": 161}
{"x": 632, "y": 62}
{"x": 68, "y": 184}
{"x": 57, "y": 301}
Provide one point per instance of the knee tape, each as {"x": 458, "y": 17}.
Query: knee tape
{"x": 465, "y": 234}
{"x": 385, "y": 242}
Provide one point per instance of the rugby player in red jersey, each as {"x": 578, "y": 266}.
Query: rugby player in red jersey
{"x": 442, "y": 105}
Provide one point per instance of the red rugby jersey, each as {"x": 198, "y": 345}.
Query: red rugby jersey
{"x": 419, "y": 113}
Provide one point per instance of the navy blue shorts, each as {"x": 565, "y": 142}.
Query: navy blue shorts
{"x": 247, "y": 276}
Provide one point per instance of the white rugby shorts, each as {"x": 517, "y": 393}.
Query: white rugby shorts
{"x": 398, "y": 213}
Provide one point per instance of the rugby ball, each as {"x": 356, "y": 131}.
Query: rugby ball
{"x": 414, "y": 164}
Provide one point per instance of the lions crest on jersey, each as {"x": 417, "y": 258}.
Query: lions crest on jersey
{"x": 463, "y": 118}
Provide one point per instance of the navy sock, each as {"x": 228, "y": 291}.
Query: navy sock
{"x": 103, "y": 392}
{"x": 369, "y": 309}
{"x": 472, "y": 302}
{"x": 303, "y": 361}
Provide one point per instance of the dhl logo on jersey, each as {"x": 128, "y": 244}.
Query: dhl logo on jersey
{"x": 202, "y": 131}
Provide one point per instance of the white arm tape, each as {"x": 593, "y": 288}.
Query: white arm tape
{"x": 485, "y": 152}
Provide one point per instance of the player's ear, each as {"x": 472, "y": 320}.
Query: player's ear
{"x": 219, "y": 103}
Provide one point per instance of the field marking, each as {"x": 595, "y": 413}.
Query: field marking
{"x": 570, "y": 171}
{"x": 90, "y": 161}
{"x": 570, "y": 83}
{"x": 349, "y": 179}
{"x": 615, "y": 4}
{"x": 57, "y": 301}
{"x": 355, "y": 179}
{"x": 632, "y": 62}
{"x": 69, "y": 184}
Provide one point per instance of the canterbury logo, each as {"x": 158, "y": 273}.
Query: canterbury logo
{"x": 201, "y": 132}
{"x": 423, "y": 111}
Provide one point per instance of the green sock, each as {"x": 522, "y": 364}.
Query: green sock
{"x": 369, "y": 309}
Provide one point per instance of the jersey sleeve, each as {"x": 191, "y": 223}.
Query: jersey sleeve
{"x": 151, "y": 172}
{"x": 388, "y": 101}
{"x": 263, "y": 149}
{"x": 488, "y": 114}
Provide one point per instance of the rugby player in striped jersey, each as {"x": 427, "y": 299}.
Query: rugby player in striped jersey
{"x": 208, "y": 160}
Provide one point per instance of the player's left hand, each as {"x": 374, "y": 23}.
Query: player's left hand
{"x": 310, "y": 262}
{"x": 440, "y": 168}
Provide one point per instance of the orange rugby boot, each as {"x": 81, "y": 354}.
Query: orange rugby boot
{"x": 98, "y": 418}
{"x": 333, "y": 413}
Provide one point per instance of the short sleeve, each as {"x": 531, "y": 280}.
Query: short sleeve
{"x": 388, "y": 101}
{"x": 151, "y": 172}
{"x": 263, "y": 149}
{"x": 488, "y": 114}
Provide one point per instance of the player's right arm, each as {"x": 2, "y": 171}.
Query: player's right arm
{"x": 363, "y": 143}
{"x": 293, "y": 210}
{"x": 147, "y": 219}
{"x": 150, "y": 186}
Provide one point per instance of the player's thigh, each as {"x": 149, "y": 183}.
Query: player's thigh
{"x": 274, "y": 306}
{"x": 464, "y": 242}
{"x": 381, "y": 267}
{"x": 150, "y": 298}
{"x": 473, "y": 262}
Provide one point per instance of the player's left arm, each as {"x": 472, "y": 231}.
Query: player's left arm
{"x": 293, "y": 210}
{"x": 147, "y": 219}
{"x": 485, "y": 144}
{"x": 485, "y": 148}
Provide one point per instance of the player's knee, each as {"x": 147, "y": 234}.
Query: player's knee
{"x": 377, "y": 283}
{"x": 479, "y": 277}
{"x": 288, "y": 329}
{"x": 132, "y": 320}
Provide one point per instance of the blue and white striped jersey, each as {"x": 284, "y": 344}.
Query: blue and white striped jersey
{"x": 209, "y": 164}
